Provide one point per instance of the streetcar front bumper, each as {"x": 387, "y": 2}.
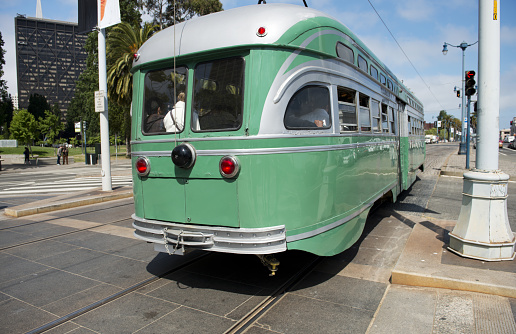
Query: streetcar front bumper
{"x": 175, "y": 238}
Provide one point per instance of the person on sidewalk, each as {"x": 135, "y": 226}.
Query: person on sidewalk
{"x": 26, "y": 154}
{"x": 65, "y": 155}
{"x": 59, "y": 152}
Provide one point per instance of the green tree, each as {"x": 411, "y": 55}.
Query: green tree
{"x": 432, "y": 131}
{"x": 156, "y": 9}
{"x": 38, "y": 104}
{"x": 24, "y": 127}
{"x": 6, "y": 103}
{"x": 166, "y": 12}
{"x": 3, "y": 84}
{"x": 6, "y": 114}
{"x": 50, "y": 126}
{"x": 82, "y": 106}
{"x": 186, "y": 9}
{"x": 123, "y": 42}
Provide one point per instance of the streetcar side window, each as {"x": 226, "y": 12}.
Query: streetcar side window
{"x": 365, "y": 113}
{"x": 163, "y": 110}
{"x": 383, "y": 80}
{"x": 374, "y": 72}
{"x": 362, "y": 63}
{"x": 347, "y": 109}
{"x": 391, "y": 118}
{"x": 217, "y": 101}
{"x": 385, "y": 119}
{"x": 375, "y": 113}
{"x": 344, "y": 52}
{"x": 309, "y": 108}
{"x": 389, "y": 85}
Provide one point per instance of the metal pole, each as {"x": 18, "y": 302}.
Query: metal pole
{"x": 483, "y": 231}
{"x": 85, "y": 144}
{"x": 463, "y": 139}
{"x": 104, "y": 120}
{"x": 468, "y": 138}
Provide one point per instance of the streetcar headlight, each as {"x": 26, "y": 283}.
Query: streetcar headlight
{"x": 142, "y": 166}
{"x": 184, "y": 155}
{"x": 229, "y": 166}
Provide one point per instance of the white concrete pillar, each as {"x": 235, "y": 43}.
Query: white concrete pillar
{"x": 483, "y": 230}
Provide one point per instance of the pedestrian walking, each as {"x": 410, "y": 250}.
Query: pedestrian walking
{"x": 65, "y": 155}
{"x": 59, "y": 152}
{"x": 26, "y": 154}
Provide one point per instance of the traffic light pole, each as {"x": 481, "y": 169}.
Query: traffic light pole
{"x": 468, "y": 133}
{"x": 483, "y": 231}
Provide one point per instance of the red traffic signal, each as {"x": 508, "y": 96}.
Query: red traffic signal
{"x": 470, "y": 83}
{"x": 470, "y": 75}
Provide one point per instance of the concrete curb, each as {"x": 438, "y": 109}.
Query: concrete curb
{"x": 65, "y": 202}
{"x": 425, "y": 262}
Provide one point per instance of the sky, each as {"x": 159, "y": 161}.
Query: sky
{"x": 419, "y": 26}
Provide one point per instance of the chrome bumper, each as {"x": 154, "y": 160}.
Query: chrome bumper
{"x": 175, "y": 238}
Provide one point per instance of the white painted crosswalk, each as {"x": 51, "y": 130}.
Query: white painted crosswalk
{"x": 62, "y": 185}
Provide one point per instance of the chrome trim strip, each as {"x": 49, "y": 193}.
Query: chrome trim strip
{"x": 338, "y": 223}
{"x": 275, "y": 150}
{"x": 267, "y": 240}
{"x": 258, "y": 137}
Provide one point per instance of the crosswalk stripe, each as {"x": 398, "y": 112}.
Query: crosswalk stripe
{"x": 60, "y": 186}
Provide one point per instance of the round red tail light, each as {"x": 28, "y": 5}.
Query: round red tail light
{"x": 142, "y": 166}
{"x": 229, "y": 166}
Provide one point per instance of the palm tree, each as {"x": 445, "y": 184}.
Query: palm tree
{"x": 123, "y": 43}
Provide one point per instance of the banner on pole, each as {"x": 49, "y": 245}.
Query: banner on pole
{"x": 108, "y": 13}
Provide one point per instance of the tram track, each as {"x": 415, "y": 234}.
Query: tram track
{"x": 53, "y": 218}
{"x": 70, "y": 316}
{"x": 246, "y": 322}
{"x": 60, "y": 234}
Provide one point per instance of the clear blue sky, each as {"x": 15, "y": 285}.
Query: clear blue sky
{"x": 420, "y": 26}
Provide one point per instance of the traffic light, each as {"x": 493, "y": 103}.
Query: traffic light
{"x": 470, "y": 83}
{"x": 458, "y": 93}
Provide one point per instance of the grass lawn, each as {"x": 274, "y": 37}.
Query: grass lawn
{"x": 51, "y": 152}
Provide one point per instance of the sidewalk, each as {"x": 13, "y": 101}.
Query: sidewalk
{"x": 449, "y": 294}
{"x": 455, "y": 165}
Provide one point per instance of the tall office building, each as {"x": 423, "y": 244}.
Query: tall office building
{"x": 50, "y": 56}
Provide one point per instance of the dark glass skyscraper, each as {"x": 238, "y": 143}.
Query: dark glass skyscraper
{"x": 50, "y": 56}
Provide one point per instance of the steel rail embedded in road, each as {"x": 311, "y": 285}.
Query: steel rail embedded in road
{"x": 108, "y": 299}
{"x": 250, "y": 318}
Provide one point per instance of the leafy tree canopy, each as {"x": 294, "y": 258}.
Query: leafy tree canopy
{"x": 3, "y": 84}
{"x": 38, "y": 104}
{"x": 24, "y": 127}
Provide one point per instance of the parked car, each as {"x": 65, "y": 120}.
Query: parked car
{"x": 512, "y": 145}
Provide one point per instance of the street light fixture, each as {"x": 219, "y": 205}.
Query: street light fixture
{"x": 463, "y": 46}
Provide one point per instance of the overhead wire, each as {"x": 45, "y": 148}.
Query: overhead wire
{"x": 410, "y": 61}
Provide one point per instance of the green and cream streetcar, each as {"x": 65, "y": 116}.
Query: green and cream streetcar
{"x": 266, "y": 128}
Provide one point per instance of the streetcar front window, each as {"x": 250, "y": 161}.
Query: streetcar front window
{"x": 164, "y": 101}
{"x": 218, "y": 95}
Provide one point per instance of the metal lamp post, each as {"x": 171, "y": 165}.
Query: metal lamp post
{"x": 463, "y": 46}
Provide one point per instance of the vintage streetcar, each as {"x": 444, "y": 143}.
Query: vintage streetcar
{"x": 263, "y": 129}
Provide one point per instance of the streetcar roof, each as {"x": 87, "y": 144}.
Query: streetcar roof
{"x": 238, "y": 27}
{"x": 224, "y": 29}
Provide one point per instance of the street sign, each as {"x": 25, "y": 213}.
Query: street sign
{"x": 77, "y": 126}
{"x": 100, "y": 101}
